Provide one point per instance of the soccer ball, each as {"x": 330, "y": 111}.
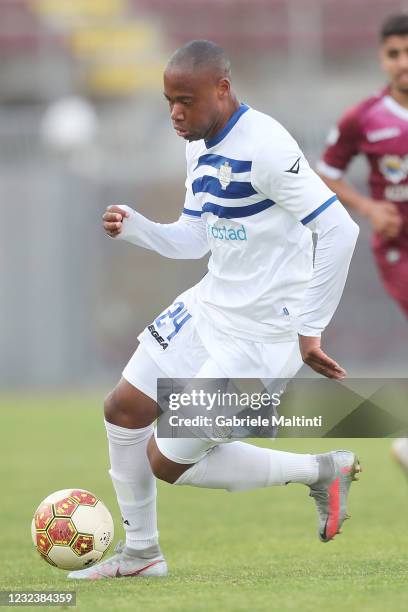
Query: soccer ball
{"x": 72, "y": 529}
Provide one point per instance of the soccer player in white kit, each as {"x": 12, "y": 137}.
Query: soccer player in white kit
{"x": 253, "y": 201}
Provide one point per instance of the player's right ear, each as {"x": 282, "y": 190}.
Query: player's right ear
{"x": 223, "y": 88}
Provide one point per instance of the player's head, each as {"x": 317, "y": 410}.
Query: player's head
{"x": 198, "y": 88}
{"x": 394, "y": 50}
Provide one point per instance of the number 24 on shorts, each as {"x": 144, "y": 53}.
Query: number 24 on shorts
{"x": 175, "y": 317}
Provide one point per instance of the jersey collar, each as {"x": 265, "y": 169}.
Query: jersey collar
{"x": 228, "y": 127}
{"x": 395, "y": 108}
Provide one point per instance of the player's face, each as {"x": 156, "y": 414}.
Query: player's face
{"x": 196, "y": 101}
{"x": 394, "y": 59}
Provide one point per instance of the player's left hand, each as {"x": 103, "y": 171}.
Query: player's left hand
{"x": 317, "y": 359}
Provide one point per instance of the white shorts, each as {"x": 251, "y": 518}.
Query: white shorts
{"x": 181, "y": 344}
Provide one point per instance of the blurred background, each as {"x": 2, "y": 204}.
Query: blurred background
{"x": 83, "y": 124}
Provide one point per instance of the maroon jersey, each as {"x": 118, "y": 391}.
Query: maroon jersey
{"x": 378, "y": 128}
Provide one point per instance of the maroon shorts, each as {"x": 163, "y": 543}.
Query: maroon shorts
{"x": 392, "y": 262}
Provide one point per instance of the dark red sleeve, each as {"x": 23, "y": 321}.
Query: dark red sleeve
{"x": 343, "y": 141}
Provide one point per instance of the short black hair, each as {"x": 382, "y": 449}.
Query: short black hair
{"x": 202, "y": 54}
{"x": 395, "y": 25}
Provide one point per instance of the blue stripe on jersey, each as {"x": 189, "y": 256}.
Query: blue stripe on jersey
{"x": 193, "y": 213}
{"x": 216, "y": 161}
{"x": 319, "y": 210}
{"x": 228, "y": 127}
{"x": 211, "y": 184}
{"x": 235, "y": 212}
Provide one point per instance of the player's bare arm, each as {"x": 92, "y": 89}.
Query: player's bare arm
{"x": 383, "y": 216}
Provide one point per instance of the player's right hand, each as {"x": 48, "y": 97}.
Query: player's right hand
{"x": 113, "y": 219}
{"x": 385, "y": 218}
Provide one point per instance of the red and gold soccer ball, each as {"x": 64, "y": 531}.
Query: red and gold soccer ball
{"x": 72, "y": 529}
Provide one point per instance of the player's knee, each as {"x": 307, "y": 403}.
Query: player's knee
{"x": 110, "y": 407}
{"x": 162, "y": 473}
{"x": 162, "y": 467}
{"x": 128, "y": 407}
{"x": 120, "y": 412}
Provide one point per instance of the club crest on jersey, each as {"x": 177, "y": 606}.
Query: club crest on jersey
{"x": 394, "y": 168}
{"x": 224, "y": 175}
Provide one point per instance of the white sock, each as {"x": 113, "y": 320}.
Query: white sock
{"x": 134, "y": 484}
{"x": 237, "y": 466}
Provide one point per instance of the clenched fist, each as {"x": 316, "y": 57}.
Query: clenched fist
{"x": 113, "y": 219}
{"x": 385, "y": 219}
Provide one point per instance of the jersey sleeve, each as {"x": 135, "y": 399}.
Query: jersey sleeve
{"x": 282, "y": 173}
{"x": 342, "y": 145}
{"x": 184, "y": 239}
{"x": 336, "y": 238}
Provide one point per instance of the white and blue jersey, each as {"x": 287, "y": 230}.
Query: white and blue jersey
{"x": 253, "y": 201}
{"x": 255, "y": 192}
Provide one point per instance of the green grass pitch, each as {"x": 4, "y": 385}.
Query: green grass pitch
{"x": 245, "y": 551}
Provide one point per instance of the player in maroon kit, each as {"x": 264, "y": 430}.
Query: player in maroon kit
{"x": 378, "y": 128}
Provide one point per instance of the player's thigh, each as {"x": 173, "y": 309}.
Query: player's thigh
{"x": 132, "y": 403}
{"x": 276, "y": 364}
{"x": 142, "y": 372}
{"x": 241, "y": 358}
{"x": 169, "y": 348}
{"x": 281, "y": 360}
{"x": 187, "y": 451}
{"x": 172, "y": 339}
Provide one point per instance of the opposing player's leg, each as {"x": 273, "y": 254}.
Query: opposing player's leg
{"x": 238, "y": 466}
{"x": 129, "y": 413}
{"x": 392, "y": 264}
{"x": 399, "y": 452}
